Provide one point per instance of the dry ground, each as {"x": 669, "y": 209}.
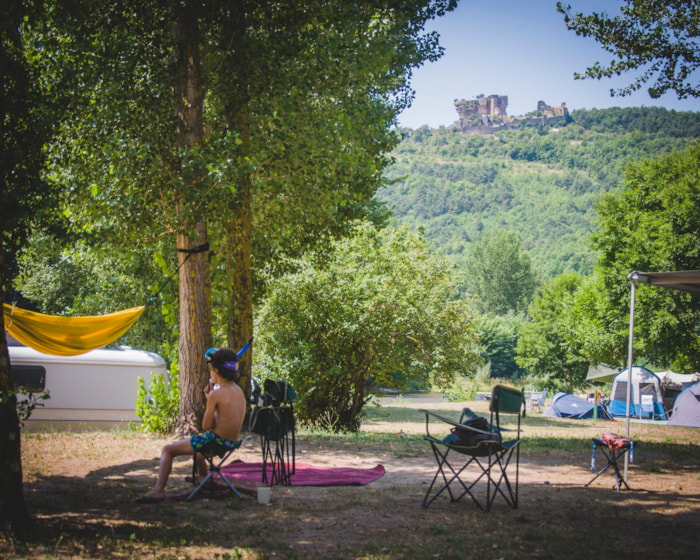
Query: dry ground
{"x": 81, "y": 486}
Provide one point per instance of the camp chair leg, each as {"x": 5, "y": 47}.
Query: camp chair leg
{"x": 214, "y": 468}
{"x": 209, "y": 477}
{"x": 443, "y": 464}
{"x": 510, "y": 493}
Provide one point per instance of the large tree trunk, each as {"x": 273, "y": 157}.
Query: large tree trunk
{"x": 238, "y": 242}
{"x": 240, "y": 326}
{"x": 195, "y": 330}
{"x": 13, "y": 509}
{"x": 195, "y": 287}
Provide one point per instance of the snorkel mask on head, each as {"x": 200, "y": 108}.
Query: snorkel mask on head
{"x": 209, "y": 353}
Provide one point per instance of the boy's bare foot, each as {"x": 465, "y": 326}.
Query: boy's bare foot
{"x": 150, "y": 498}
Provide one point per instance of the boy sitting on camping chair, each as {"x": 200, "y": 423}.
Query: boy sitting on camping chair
{"x": 221, "y": 424}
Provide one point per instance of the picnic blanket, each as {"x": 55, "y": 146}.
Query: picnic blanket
{"x": 306, "y": 474}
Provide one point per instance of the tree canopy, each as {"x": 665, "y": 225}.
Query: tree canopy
{"x": 499, "y": 273}
{"x": 653, "y": 225}
{"x": 248, "y": 131}
{"x": 657, "y": 37}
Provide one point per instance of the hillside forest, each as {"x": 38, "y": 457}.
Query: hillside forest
{"x": 535, "y": 222}
{"x": 541, "y": 183}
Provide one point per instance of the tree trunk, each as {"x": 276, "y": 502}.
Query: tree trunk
{"x": 240, "y": 326}
{"x": 13, "y": 509}
{"x": 193, "y": 253}
{"x": 195, "y": 330}
{"x": 240, "y": 321}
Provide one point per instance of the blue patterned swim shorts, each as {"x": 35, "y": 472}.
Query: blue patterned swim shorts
{"x": 209, "y": 441}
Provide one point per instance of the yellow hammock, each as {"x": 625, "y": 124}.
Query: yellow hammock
{"x": 67, "y": 336}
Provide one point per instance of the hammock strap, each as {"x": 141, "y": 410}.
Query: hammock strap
{"x": 189, "y": 252}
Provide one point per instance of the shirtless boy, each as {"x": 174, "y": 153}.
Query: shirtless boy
{"x": 222, "y": 421}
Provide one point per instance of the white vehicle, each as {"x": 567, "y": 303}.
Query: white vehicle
{"x": 95, "y": 389}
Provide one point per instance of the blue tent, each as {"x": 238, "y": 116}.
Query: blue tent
{"x": 566, "y": 405}
{"x": 645, "y": 383}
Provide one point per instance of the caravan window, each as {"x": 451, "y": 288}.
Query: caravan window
{"x": 30, "y": 378}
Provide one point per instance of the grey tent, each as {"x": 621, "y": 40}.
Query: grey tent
{"x": 686, "y": 409}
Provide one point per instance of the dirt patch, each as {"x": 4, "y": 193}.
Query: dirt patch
{"x": 81, "y": 486}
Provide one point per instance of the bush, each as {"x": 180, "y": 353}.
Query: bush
{"x": 157, "y": 406}
{"x": 375, "y": 311}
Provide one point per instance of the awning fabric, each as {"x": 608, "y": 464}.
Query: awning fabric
{"x": 685, "y": 280}
{"x": 67, "y": 336}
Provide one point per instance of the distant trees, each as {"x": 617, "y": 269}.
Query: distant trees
{"x": 548, "y": 344}
{"x": 650, "y": 225}
{"x": 542, "y": 187}
{"x": 499, "y": 273}
{"x": 499, "y": 338}
{"x": 657, "y": 37}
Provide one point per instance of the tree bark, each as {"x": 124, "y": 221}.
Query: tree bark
{"x": 195, "y": 330}
{"x": 239, "y": 230}
{"x": 240, "y": 327}
{"x": 13, "y": 509}
{"x": 193, "y": 250}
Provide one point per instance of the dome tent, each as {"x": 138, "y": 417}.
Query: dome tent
{"x": 686, "y": 409}
{"x": 644, "y": 382}
{"x": 566, "y": 405}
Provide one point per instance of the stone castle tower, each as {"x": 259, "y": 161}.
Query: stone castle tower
{"x": 491, "y": 106}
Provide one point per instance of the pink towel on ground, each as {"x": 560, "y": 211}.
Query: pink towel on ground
{"x": 307, "y": 475}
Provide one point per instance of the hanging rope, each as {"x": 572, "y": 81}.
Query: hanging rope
{"x": 189, "y": 252}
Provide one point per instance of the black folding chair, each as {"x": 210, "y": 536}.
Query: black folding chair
{"x": 274, "y": 422}
{"x": 215, "y": 455}
{"x": 476, "y": 442}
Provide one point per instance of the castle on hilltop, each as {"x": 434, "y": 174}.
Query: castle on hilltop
{"x": 486, "y": 115}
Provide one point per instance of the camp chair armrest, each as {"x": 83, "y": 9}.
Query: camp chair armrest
{"x": 429, "y": 414}
{"x": 454, "y": 423}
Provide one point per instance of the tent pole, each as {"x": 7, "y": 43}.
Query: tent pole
{"x": 630, "y": 361}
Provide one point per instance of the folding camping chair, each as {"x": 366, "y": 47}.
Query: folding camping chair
{"x": 647, "y": 407}
{"x": 536, "y": 400}
{"x": 215, "y": 455}
{"x": 477, "y": 442}
{"x": 274, "y": 423}
{"x": 613, "y": 447}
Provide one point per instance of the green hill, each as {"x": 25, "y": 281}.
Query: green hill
{"x": 540, "y": 182}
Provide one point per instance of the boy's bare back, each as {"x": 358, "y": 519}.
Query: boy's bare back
{"x": 227, "y": 405}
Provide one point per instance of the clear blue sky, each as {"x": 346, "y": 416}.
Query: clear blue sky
{"x": 522, "y": 49}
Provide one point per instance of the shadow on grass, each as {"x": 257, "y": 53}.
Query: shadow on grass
{"x": 93, "y": 517}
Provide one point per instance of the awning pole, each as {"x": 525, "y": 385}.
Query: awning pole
{"x": 630, "y": 361}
